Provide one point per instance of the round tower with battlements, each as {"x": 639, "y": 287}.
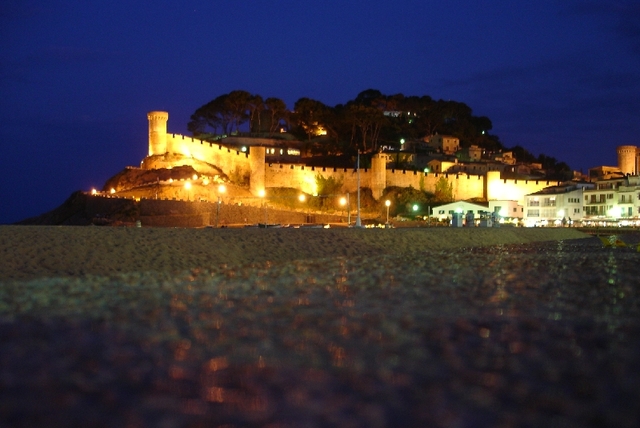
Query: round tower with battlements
{"x": 627, "y": 156}
{"x": 157, "y": 132}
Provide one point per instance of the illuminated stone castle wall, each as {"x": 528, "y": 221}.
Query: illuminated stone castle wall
{"x": 163, "y": 145}
{"x": 262, "y": 175}
{"x": 513, "y": 190}
{"x": 304, "y": 178}
{"x": 463, "y": 186}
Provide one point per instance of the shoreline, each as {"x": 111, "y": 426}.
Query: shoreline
{"x": 32, "y": 252}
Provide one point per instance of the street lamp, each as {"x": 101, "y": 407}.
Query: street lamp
{"x": 221, "y": 189}
{"x": 187, "y": 187}
{"x": 342, "y": 201}
{"x": 388, "y": 204}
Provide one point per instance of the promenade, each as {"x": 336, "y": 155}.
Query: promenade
{"x": 505, "y": 335}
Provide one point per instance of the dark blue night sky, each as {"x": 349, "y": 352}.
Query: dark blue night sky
{"x": 77, "y": 78}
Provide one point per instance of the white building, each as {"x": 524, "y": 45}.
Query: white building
{"x": 613, "y": 199}
{"x": 509, "y": 211}
{"x": 555, "y": 205}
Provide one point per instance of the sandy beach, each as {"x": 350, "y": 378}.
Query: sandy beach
{"x": 483, "y": 328}
{"x": 29, "y": 252}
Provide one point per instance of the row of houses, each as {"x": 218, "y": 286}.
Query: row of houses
{"x": 611, "y": 200}
{"x": 605, "y": 201}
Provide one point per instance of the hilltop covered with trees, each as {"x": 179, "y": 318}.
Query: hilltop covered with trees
{"x": 367, "y": 123}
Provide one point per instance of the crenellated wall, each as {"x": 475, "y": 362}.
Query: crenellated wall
{"x": 228, "y": 160}
{"x": 262, "y": 175}
{"x": 304, "y": 177}
{"x": 223, "y": 157}
{"x": 463, "y": 186}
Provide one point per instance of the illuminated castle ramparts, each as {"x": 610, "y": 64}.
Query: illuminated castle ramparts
{"x": 171, "y": 150}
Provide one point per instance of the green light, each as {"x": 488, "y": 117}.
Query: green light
{"x": 415, "y": 207}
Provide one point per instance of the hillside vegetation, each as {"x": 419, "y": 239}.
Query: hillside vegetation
{"x": 367, "y": 123}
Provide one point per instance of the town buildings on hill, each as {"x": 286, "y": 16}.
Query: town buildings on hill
{"x": 515, "y": 190}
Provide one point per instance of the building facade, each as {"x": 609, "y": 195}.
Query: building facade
{"x": 613, "y": 199}
{"x": 555, "y": 206}
{"x": 445, "y": 143}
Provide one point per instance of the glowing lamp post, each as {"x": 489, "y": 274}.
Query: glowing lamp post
{"x": 187, "y": 187}
{"x": 344, "y": 201}
{"x": 388, "y": 204}
{"x": 303, "y": 198}
{"x": 221, "y": 190}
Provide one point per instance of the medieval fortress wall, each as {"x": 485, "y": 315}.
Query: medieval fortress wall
{"x": 263, "y": 175}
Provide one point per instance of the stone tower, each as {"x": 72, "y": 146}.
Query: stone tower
{"x": 378, "y": 174}
{"x": 257, "y": 165}
{"x": 492, "y": 186}
{"x": 157, "y": 132}
{"x": 627, "y": 156}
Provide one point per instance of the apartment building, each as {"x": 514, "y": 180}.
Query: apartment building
{"x": 614, "y": 198}
{"x": 555, "y": 205}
